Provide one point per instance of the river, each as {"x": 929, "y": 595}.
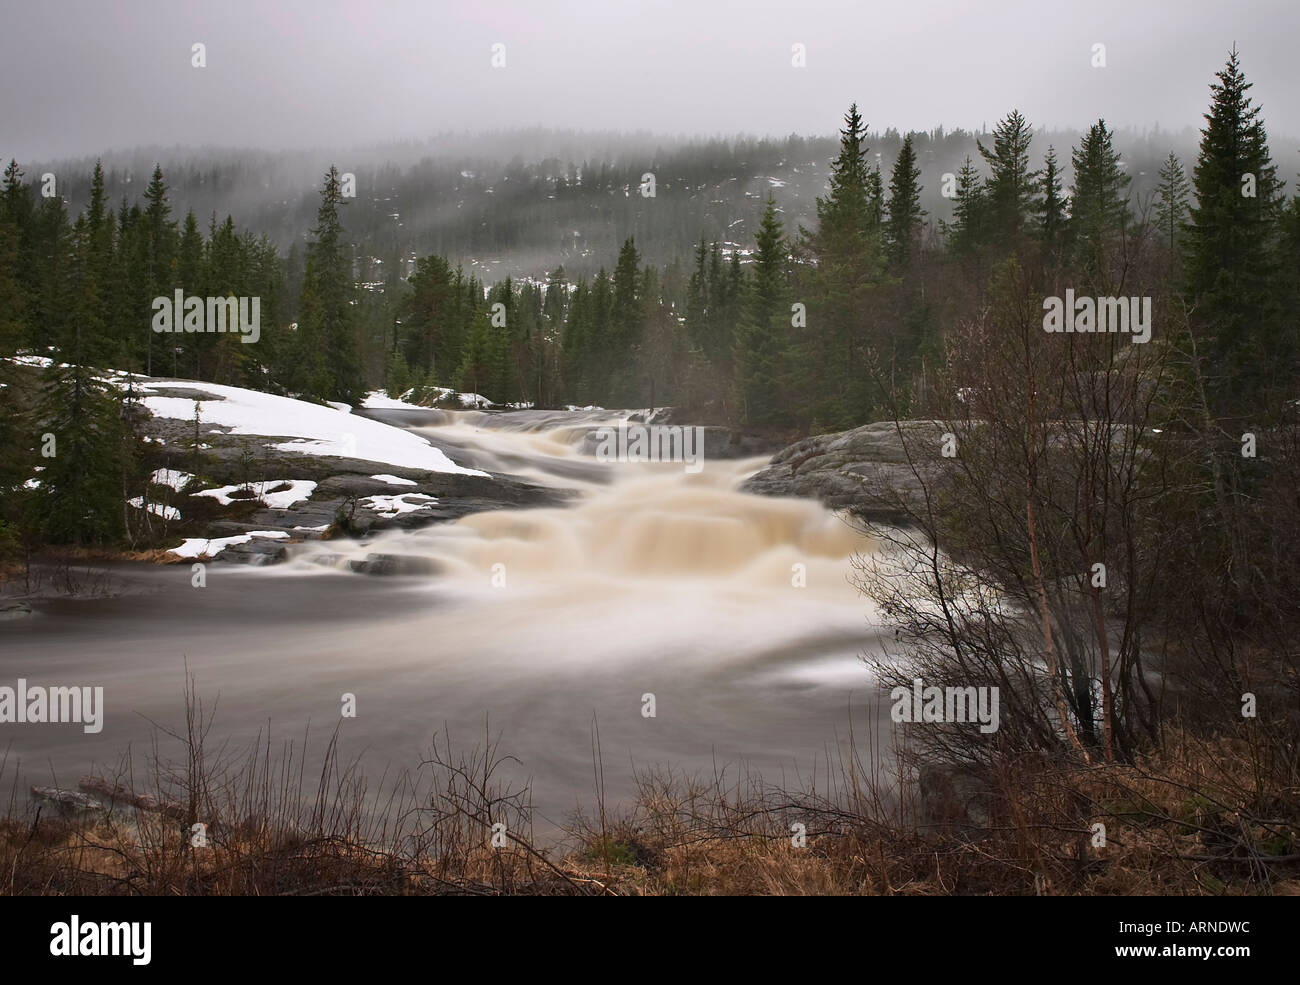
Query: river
{"x": 652, "y": 581}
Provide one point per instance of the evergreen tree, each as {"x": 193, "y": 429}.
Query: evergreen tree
{"x": 847, "y": 265}
{"x": 1051, "y": 210}
{"x": 905, "y": 212}
{"x": 477, "y": 364}
{"x": 17, "y": 278}
{"x": 1011, "y": 185}
{"x": 697, "y": 299}
{"x": 13, "y": 301}
{"x": 1230, "y": 247}
{"x": 875, "y": 202}
{"x": 761, "y": 357}
{"x": 627, "y": 317}
{"x": 48, "y": 301}
{"x": 1171, "y": 201}
{"x": 81, "y": 501}
{"x": 965, "y": 234}
{"x": 160, "y": 236}
{"x": 191, "y": 278}
{"x": 1098, "y": 202}
{"x": 397, "y": 377}
{"x": 327, "y": 344}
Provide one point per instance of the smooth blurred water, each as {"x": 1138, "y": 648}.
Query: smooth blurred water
{"x": 654, "y": 581}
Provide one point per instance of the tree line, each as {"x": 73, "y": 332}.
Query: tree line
{"x": 805, "y": 329}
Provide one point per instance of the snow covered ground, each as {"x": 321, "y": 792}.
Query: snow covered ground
{"x": 311, "y": 428}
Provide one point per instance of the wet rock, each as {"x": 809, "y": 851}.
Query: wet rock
{"x": 876, "y": 470}
{"x": 14, "y": 610}
{"x": 256, "y": 552}
{"x": 395, "y": 564}
{"x": 719, "y": 443}
{"x": 118, "y": 795}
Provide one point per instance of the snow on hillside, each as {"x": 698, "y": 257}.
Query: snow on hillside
{"x": 314, "y": 429}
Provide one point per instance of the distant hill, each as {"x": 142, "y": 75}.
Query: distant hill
{"x": 521, "y": 203}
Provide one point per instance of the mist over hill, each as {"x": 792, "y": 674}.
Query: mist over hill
{"x": 520, "y": 203}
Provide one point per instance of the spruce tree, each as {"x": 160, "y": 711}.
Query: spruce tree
{"x": 477, "y": 364}
{"x": 13, "y": 301}
{"x": 1171, "y": 201}
{"x": 965, "y": 234}
{"x": 1051, "y": 210}
{"x": 1230, "y": 248}
{"x": 627, "y": 326}
{"x": 327, "y": 344}
{"x": 397, "y": 375}
{"x": 1098, "y": 203}
{"x": 160, "y": 237}
{"x": 875, "y": 202}
{"x": 81, "y": 484}
{"x": 848, "y": 264}
{"x": 1011, "y": 185}
{"x": 905, "y": 212}
{"x": 761, "y": 358}
{"x": 49, "y": 305}
{"x": 697, "y": 299}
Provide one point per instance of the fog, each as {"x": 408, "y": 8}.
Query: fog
{"x": 85, "y": 77}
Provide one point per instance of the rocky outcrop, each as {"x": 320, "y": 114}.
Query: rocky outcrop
{"x": 346, "y": 500}
{"x": 718, "y": 442}
{"x": 875, "y": 470}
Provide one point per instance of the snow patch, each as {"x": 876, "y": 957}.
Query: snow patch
{"x": 171, "y": 477}
{"x": 166, "y": 512}
{"x": 314, "y": 429}
{"x": 390, "y": 506}
{"x": 299, "y": 489}
{"x": 201, "y": 547}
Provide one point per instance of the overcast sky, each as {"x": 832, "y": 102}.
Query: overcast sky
{"x": 89, "y": 76}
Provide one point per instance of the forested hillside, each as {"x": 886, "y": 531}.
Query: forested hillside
{"x": 522, "y": 204}
{"x": 788, "y": 286}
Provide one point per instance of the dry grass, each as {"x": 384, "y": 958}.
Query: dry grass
{"x": 1200, "y": 818}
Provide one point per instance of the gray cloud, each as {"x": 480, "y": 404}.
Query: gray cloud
{"x": 86, "y": 76}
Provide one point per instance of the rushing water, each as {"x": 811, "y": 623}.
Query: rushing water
{"x": 651, "y": 581}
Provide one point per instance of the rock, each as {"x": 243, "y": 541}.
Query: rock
{"x": 116, "y": 794}
{"x": 68, "y": 801}
{"x": 952, "y": 798}
{"x": 256, "y": 551}
{"x": 719, "y": 443}
{"x": 341, "y": 486}
{"x": 872, "y": 470}
{"x": 395, "y": 564}
{"x": 14, "y": 610}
